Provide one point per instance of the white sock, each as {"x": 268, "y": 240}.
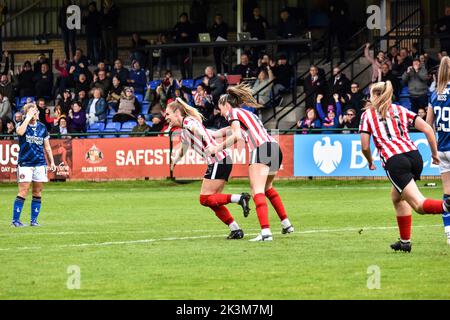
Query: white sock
{"x": 266, "y": 232}
{"x": 286, "y": 223}
{"x": 447, "y": 230}
{"x": 235, "y": 198}
{"x": 233, "y": 226}
{"x": 405, "y": 241}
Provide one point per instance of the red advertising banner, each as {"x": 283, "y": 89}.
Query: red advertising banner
{"x": 62, "y": 153}
{"x": 130, "y": 158}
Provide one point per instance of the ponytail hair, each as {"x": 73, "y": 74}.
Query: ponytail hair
{"x": 239, "y": 95}
{"x": 381, "y": 97}
{"x": 443, "y": 75}
{"x": 185, "y": 109}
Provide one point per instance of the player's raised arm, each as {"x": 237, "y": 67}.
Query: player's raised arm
{"x": 32, "y": 111}
{"x": 219, "y": 133}
{"x": 424, "y": 127}
{"x": 179, "y": 154}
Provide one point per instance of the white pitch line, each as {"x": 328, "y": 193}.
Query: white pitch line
{"x": 337, "y": 187}
{"x": 110, "y": 243}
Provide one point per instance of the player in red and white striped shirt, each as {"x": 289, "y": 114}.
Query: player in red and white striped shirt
{"x": 194, "y": 134}
{"x": 265, "y": 155}
{"x": 388, "y": 124}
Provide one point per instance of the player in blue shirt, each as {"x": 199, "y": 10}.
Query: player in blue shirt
{"x": 439, "y": 115}
{"x": 32, "y": 166}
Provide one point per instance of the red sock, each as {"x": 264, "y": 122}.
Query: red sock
{"x": 223, "y": 214}
{"x": 215, "y": 200}
{"x": 276, "y": 202}
{"x": 404, "y": 225}
{"x": 431, "y": 206}
{"x": 262, "y": 210}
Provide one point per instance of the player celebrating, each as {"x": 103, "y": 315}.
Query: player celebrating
{"x": 194, "y": 134}
{"x": 32, "y": 166}
{"x": 438, "y": 113}
{"x": 265, "y": 159}
{"x": 388, "y": 124}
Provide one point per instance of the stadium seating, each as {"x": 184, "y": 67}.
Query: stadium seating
{"x": 233, "y": 79}
{"x": 112, "y": 127}
{"x": 188, "y": 83}
{"x": 127, "y": 127}
{"x": 153, "y": 84}
{"x": 95, "y": 128}
{"x": 145, "y": 107}
{"x": 139, "y": 97}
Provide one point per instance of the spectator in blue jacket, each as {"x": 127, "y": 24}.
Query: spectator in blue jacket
{"x": 96, "y": 110}
{"x": 138, "y": 79}
{"x": 331, "y": 119}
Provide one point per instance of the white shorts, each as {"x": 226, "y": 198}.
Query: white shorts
{"x": 32, "y": 174}
{"x": 444, "y": 165}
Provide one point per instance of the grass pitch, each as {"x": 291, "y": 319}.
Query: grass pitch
{"x": 153, "y": 240}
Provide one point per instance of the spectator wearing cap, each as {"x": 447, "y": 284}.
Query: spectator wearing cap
{"x": 129, "y": 106}
{"x": 96, "y": 110}
{"x": 203, "y": 101}
{"x": 141, "y": 125}
{"x": 309, "y": 121}
{"x": 77, "y": 117}
{"x": 137, "y": 76}
{"x": 25, "y": 80}
{"x": 416, "y": 78}
{"x": 331, "y": 119}
{"x": 18, "y": 118}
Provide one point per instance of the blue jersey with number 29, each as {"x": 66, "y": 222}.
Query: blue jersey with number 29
{"x": 441, "y": 108}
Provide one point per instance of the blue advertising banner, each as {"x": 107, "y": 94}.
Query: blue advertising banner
{"x": 340, "y": 155}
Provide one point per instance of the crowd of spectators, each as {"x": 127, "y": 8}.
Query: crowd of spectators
{"x": 338, "y": 103}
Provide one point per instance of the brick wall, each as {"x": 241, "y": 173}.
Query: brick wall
{"x": 58, "y": 48}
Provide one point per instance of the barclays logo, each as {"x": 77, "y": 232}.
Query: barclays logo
{"x": 327, "y": 156}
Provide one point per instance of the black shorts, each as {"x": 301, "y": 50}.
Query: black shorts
{"x": 404, "y": 167}
{"x": 269, "y": 153}
{"x": 220, "y": 170}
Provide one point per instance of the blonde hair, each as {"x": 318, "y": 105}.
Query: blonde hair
{"x": 239, "y": 95}
{"x": 185, "y": 109}
{"x": 443, "y": 75}
{"x": 381, "y": 97}
{"x": 27, "y": 107}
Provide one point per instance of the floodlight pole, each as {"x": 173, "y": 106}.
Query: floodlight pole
{"x": 239, "y": 26}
